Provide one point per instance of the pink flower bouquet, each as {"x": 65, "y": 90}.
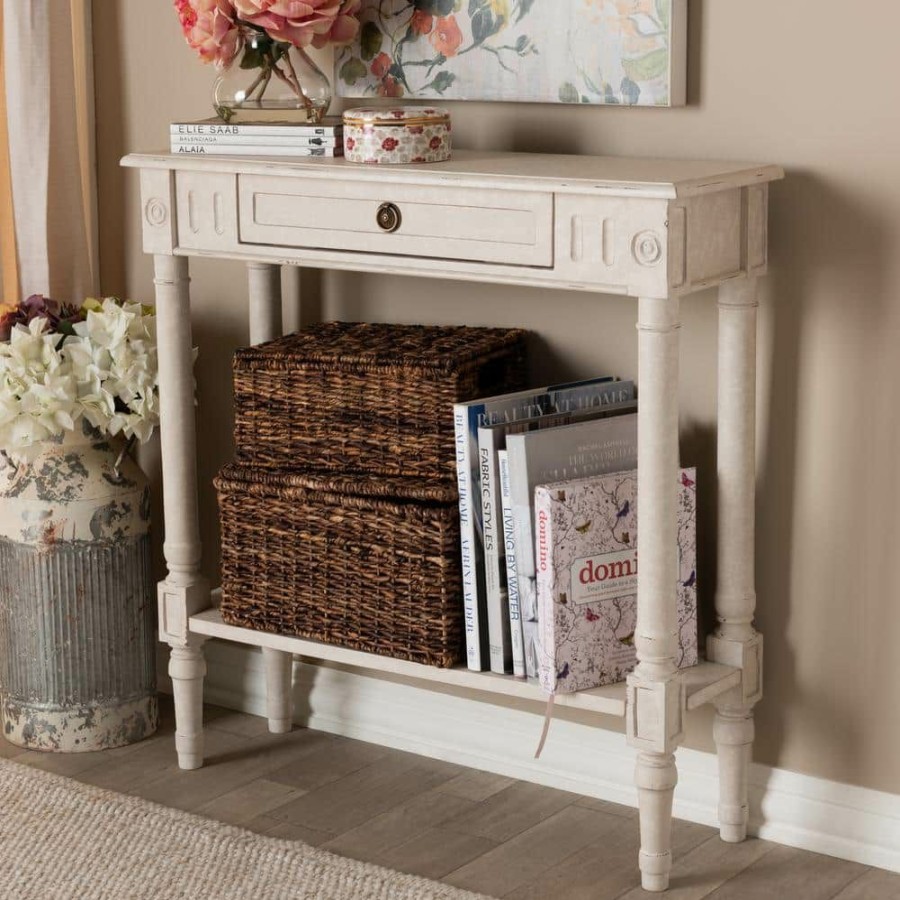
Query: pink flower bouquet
{"x": 263, "y": 33}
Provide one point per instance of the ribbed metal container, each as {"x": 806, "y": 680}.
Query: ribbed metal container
{"x": 77, "y": 648}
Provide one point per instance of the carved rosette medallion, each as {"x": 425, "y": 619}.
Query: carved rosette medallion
{"x": 156, "y": 212}
{"x": 646, "y": 248}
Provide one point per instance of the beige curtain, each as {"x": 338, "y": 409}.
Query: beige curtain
{"x": 48, "y": 209}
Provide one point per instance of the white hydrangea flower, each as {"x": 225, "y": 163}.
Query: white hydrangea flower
{"x": 106, "y": 372}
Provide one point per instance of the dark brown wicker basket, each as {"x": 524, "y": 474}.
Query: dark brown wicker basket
{"x": 349, "y": 397}
{"x": 368, "y": 563}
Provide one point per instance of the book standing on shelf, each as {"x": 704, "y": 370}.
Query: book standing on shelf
{"x": 587, "y": 571}
{"x": 517, "y": 635}
{"x": 570, "y": 451}
{"x": 590, "y": 400}
{"x": 467, "y": 418}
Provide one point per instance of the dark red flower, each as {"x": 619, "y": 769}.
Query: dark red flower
{"x": 390, "y": 87}
{"x": 381, "y": 65}
{"x": 416, "y": 129}
{"x": 421, "y": 22}
{"x": 435, "y": 143}
{"x": 60, "y": 316}
{"x": 390, "y": 144}
{"x": 350, "y": 143}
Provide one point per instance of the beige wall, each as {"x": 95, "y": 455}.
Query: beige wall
{"x": 769, "y": 81}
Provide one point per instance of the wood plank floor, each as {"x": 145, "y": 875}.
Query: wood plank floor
{"x": 479, "y": 831}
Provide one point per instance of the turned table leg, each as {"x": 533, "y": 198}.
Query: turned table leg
{"x": 735, "y": 641}
{"x": 655, "y": 699}
{"x": 266, "y": 325}
{"x": 187, "y": 669}
{"x": 184, "y": 591}
{"x": 279, "y": 684}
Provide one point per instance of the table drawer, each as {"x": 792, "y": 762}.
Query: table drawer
{"x": 411, "y": 220}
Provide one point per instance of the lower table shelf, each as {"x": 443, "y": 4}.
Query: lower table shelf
{"x": 703, "y": 682}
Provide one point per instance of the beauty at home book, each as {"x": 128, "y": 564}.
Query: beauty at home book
{"x": 587, "y": 571}
{"x": 591, "y": 401}
{"x": 467, "y": 418}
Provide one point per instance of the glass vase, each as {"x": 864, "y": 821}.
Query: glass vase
{"x": 270, "y": 81}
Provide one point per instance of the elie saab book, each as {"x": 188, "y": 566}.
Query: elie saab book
{"x": 587, "y": 571}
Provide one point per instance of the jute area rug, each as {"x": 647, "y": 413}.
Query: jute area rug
{"x": 61, "y": 840}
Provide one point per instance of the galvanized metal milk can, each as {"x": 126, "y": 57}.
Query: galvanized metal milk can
{"x": 77, "y": 647}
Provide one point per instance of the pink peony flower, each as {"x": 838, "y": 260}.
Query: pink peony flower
{"x": 303, "y": 22}
{"x": 345, "y": 25}
{"x": 210, "y": 28}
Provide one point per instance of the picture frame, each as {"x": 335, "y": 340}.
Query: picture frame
{"x": 592, "y": 52}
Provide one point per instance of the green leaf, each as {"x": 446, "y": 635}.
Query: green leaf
{"x": 522, "y": 43}
{"x": 485, "y": 25}
{"x": 442, "y": 81}
{"x": 664, "y": 13}
{"x": 568, "y": 93}
{"x": 591, "y": 84}
{"x": 525, "y": 8}
{"x": 370, "y": 41}
{"x": 352, "y": 70}
{"x": 651, "y": 65}
{"x": 631, "y": 91}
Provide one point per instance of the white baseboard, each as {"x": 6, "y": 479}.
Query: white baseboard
{"x": 789, "y": 808}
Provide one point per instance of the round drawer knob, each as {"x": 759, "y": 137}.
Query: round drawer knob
{"x": 388, "y": 217}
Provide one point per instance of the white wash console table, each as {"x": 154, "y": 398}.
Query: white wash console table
{"x": 648, "y": 229}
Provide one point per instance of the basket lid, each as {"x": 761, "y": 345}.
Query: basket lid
{"x": 369, "y": 346}
{"x": 397, "y": 115}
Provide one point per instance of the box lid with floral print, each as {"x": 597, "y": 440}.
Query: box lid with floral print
{"x": 403, "y": 116}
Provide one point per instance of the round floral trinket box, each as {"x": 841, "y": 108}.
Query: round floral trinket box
{"x": 397, "y": 135}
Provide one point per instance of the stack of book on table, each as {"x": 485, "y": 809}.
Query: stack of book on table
{"x": 213, "y": 136}
{"x": 508, "y": 447}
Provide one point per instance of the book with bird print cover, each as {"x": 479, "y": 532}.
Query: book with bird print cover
{"x": 587, "y": 565}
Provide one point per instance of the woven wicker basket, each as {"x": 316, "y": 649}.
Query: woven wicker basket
{"x": 368, "y": 563}
{"x": 349, "y": 397}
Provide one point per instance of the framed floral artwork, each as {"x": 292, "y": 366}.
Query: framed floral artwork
{"x": 630, "y": 52}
